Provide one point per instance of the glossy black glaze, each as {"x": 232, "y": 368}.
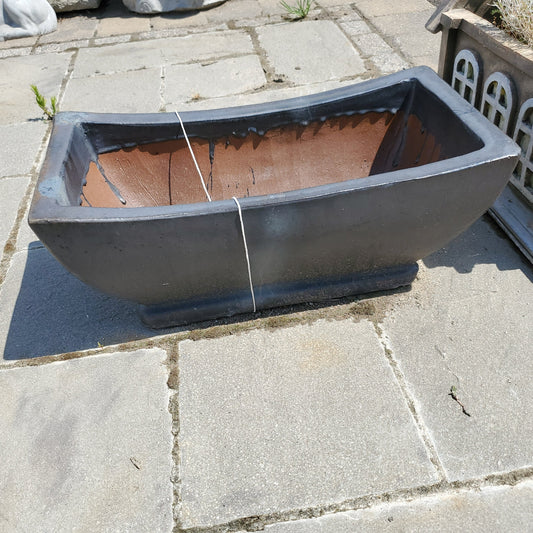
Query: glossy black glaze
{"x": 186, "y": 262}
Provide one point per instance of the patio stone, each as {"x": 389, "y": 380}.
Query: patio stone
{"x": 319, "y": 51}
{"x": 125, "y": 92}
{"x": 122, "y": 24}
{"x": 18, "y": 73}
{"x": 376, "y": 8}
{"x": 222, "y": 78}
{"x": 490, "y": 509}
{"x": 178, "y": 20}
{"x": 20, "y": 146}
{"x": 234, "y": 9}
{"x": 48, "y": 311}
{"x": 11, "y": 191}
{"x": 86, "y": 445}
{"x": 71, "y": 29}
{"x": 156, "y": 53}
{"x": 277, "y": 420}
{"x": 478, "y": 340}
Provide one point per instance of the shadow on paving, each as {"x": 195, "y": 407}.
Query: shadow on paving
{"x": 483, "y": 243}
{"x": 57, "y": 313}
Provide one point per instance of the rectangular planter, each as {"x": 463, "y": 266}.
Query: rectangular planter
{"x": 477, "y": 58}
{"x": 338, "y": 193}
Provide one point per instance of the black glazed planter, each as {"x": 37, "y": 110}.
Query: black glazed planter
{"x": 418, "y": 167}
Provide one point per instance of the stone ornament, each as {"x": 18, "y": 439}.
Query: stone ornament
{"x": 73, "y": 5}
{"x": 24, "y": 18}
{"x": 162, "y": 6}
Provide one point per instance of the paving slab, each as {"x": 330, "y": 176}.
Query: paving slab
{"x": 277, "y": 420}
{"x": 210, "y": 80}
{"x": 178, "y": 20}
{"x": 137, "y": 91}
{"x": 20, "y": 145}
{"x": 355, "y": 28}
{"x": 234, "y": 10}
{"x": 414, "y": 45}
{"x": 12, "y": 191}
{"x": 86, "y": 445}
{"x": 376, "y": 8}
{"x": 467, "y": 324}
{"x": 405, "y": 23}
{"x": 152, "y": 53}
{"x": 383, "y": 56}
{"x": 502, "y": 508}
{"x": 120, "y": 57}
{"x": 319, "y": 51}
{"x": 18, "y": 73}
{"x": 264, "y": 96}
{"x": 71, "y": 28}
{"x": 45, "y": 310}
{"x": 271, "y": 7}
{"x": 125, "y": 23}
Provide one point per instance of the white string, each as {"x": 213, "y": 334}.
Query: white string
{"x": 193, "y": 158}
{"x": 238, "y": 207}
{"x": 246, "y": 252}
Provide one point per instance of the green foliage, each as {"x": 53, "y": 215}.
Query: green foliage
{"x": 41, "y": 102}
{"x": 300, "y": 10}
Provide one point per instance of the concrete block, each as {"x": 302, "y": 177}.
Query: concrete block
{"x": 277, "y": 420}
{"x": 467, "y": 324}
{"x": 12, "y": 191}
{"x": 225, "y": 77}
{"x": 18, "y": 73}
{"x": 319, "y": 51}
{"x": 135, "y": 91}
{"x": 46, "y": 311}
{"x": 501, "y": 508}
{"x": 87, "y": 445}
{"x": 20, "y": 146}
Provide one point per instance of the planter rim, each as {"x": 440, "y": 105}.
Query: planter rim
{"x": 46, "y": 208}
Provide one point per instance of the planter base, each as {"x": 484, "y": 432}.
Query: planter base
{"x": 268, "y": 296}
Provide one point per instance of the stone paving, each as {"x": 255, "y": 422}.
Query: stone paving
{"x": 319, "y": 418}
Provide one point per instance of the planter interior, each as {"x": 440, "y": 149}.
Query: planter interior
{"x": 341, "y": 193}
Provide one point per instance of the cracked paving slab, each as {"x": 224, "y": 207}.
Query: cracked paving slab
{"x": 86, "y": 445}
{"x": 467, "y": 324}
{"x": 300, "y": 417}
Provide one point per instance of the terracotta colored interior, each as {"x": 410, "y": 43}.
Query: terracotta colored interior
{"x": 283, "y": 159}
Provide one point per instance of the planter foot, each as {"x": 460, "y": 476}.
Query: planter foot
{"x": 160, "y": 316}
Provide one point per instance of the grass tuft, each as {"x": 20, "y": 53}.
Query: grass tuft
{"x": 300, "y": 10}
